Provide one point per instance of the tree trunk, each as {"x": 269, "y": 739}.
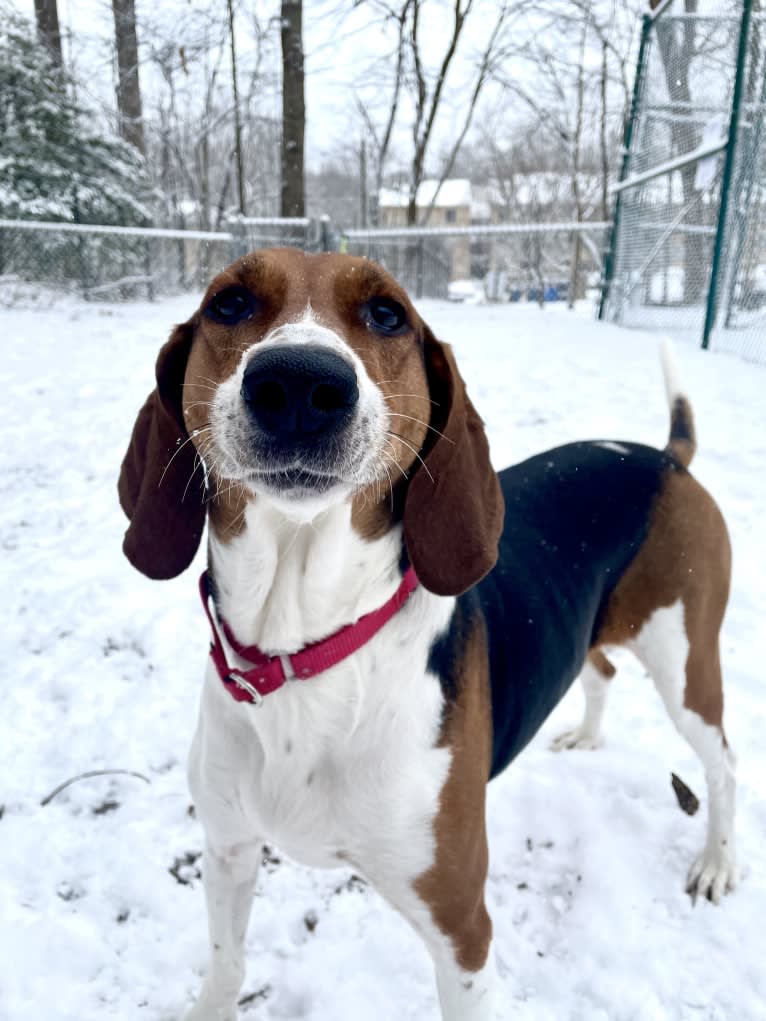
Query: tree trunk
{"x": 363, "y": 201}
{"x": 574, "y": 271}
{"x": 128, "y": 88}
{"x": 47, "y": 18}
{"x": 237, "y": 115}
{"x": 293, "y": 110}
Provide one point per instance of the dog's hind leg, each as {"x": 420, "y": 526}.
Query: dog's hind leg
{"x": 229, "y": 876}
{"x": 683, "y": 659}
{"x": 596, "y": 675}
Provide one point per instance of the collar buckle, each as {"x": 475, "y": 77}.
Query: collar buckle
{"x": 235, "y": 677}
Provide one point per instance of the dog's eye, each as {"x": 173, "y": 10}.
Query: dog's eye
{"x": 385, "y": 315}
{"x": 231, "y": 305}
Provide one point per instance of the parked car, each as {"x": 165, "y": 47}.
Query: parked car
{"x": 551, "y": 292}
{"x": 469, "y": 291}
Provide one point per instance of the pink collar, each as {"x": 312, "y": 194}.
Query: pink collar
{"x": 268, "y": 672}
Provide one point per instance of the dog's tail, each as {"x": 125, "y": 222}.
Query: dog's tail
{"x": 682, "y": 443}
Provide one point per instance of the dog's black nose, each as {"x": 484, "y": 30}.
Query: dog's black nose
{"x": 296, "y": 391}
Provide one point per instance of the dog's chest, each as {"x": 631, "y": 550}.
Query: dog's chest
{"x": 344, "y": 767}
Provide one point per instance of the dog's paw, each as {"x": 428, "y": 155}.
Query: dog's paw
{"x": 576, "y": 738}
{"x": 712, "y": 875}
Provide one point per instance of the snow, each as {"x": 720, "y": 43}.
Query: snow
{"x": 102, "y": 669}
{"x": 454, "y": 191}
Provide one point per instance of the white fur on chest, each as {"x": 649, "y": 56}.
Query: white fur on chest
{"x": 342, "y": 767}
{"x": 284, "y": 583}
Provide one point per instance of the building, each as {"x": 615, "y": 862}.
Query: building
{"x": 455, "y": 204}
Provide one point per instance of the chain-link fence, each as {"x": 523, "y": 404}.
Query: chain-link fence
{"x": 514, "y": 262}
{"x": 251, "y": 232}
{"x": 740, "y": 324}
{"x": 422, "y": 266}
{"x": 125, "y": 263}
{"x": 108, "y": 263}
{"x": 497, "y": 262}
{"x": 688, "y": 246}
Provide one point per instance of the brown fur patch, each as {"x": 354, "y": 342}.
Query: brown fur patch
{"x": 686, "y": 556}
{"x": 605, "y": 667}
{"x": 683, "y": 438}
{"x": 453, "y": 888}
{"x": 227, "y": 511}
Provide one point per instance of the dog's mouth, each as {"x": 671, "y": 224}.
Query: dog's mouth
{"x": 294, "y": 480}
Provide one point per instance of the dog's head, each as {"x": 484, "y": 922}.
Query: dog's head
{"x": 306, "y": 380}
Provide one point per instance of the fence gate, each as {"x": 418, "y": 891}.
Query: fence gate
{"x": 687, "y": 251}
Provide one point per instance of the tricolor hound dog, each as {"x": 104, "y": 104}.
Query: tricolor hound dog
{"x": 385, "y": 639}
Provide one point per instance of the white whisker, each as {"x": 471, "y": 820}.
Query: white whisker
{"x": 397, "y": 414}
{"x": 417, "y": 455}
{"x": 194, "y": 434}
{"x": 420, "y": 397}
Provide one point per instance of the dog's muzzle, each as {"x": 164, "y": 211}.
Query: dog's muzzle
{"x": 301, "y": 402}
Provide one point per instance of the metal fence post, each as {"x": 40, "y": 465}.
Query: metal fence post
{"x": 646, "y": 26}
{"x": 148, "y": 272}
{"x": 419, "y": 269}
{"x": 181, "y": 253}
{"x": 325, "y": 234}
{"x": 728, "y": 170}
{"x": 239, "y": 241}
{"x": 82, "y": 259}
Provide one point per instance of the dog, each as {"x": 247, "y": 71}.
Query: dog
{"x": 391, "y": 620}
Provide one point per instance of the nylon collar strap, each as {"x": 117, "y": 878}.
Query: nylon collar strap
{"x": 268, "y": 673}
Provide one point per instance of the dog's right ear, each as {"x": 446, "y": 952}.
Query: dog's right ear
{"x": 159, "y": 488}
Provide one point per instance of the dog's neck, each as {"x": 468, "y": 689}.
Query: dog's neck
{"x": 283, "y": 583}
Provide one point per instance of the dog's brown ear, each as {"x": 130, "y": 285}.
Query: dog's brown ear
{"x": 159, "y": 489}
{"x": 453, "y": 512}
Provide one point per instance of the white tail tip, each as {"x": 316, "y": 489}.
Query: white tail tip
{"x": 670, "y": 370}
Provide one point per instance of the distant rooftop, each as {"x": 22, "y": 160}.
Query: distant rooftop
{"x": 455, "y": 191}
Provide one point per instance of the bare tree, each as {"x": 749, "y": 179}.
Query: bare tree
{"x": 237, "y": 114}
{"x": 292, "y": 201}
{"x": 47, "y": 19}
{"x": 382, "y": 140}
{"x": 577, "y": 190}
{"x": 192, "y": 139}
{"x": 128, "y": 88}
{"x": 428, "y": 98}
{"x": 427, "y": 87}
{"x": 486, "y": 62}
{"x": 557, "y": 72}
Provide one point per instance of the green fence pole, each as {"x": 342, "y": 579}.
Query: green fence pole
{"x": 747, "y": 181}
{"x": 646, "y": 26}
{"x": 728, "y": 171}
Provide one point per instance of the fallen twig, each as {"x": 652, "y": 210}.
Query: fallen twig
{"x": 87, "y": 776}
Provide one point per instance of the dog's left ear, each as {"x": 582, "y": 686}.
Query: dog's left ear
{"x": 159, "y": 488}
{"x": 453, "y": 512}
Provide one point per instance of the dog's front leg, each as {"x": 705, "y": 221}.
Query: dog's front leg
{"x": 229, "y": 875}
{"x": 446, "y": 907}
{"x": 465, "y": 995}
{"x": 461, "y": 948}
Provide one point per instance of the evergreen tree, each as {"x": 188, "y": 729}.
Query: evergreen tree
{"x": 55, "y": 163}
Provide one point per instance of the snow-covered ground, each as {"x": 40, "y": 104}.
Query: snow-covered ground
{"x": 101, "y": 907}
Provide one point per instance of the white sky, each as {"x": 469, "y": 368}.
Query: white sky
{"x": 344, "y": 53}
